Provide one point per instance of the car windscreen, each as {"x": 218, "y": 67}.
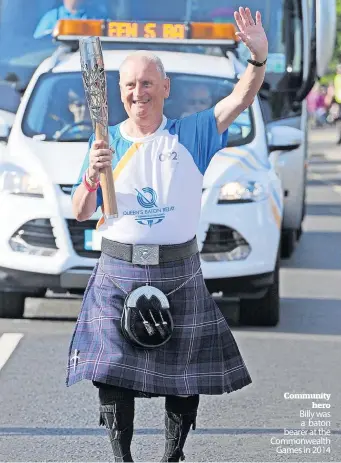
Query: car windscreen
{"x": 57, "y": 109}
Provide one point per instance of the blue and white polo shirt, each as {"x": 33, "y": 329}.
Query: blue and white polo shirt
{"x": 158, "y": 179}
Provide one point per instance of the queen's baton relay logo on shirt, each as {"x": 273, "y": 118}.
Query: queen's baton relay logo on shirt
{"x": 151, "y": 214}
{"x": 147, "y": 198}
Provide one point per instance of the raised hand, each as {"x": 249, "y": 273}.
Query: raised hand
{"x": 251, "y": 33}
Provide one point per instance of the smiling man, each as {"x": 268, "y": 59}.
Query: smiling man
{"x": 177, "y": 344}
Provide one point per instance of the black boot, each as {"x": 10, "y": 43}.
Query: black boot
{"x": 117, "y": 415}
{"x": 181, "y": 413}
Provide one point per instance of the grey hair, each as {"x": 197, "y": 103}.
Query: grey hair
{"x": 148, "y": 56}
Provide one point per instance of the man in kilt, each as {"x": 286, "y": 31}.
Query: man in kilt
{"x": 148, "y": 327}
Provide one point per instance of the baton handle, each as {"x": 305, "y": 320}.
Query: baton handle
{"x": 107, "y": 180}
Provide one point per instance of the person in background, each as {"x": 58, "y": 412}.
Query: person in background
{"x": 70, "y": 9}
{"x": 73, "y": 118}
{"x": 78, "y": 107}
{"x": 198, "y": 98}
{"x": 316, "y": 105}
{"x": 337, "y": 93}
{"x": 332, "y": 107}
{"x": 81, "y": 115}
{"x": 321, "y": 106}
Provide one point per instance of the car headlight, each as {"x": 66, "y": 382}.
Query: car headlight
{"x": 243, "y": 191}
{"x": 16, "y": 181}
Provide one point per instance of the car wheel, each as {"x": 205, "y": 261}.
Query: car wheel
{"x": 263, "y": 311}
{"x": 12, "y": 305}
{"x": 288, "y": 241}
{"x": 299, "y": 233}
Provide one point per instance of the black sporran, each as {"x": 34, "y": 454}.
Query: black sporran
{"x": 146, "y": 320}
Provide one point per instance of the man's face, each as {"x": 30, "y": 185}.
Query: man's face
{"x": 143, "y": 90}
{"x": 78, "y": 108}
{"x": 198, "y": 99}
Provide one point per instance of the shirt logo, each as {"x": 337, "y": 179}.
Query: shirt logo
{"x": 150, "y": 214}
{"x": 148, "y": 198}
{"x": 168, "y": 156}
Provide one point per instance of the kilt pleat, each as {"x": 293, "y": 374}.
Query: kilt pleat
{"x": 202, "y": 357}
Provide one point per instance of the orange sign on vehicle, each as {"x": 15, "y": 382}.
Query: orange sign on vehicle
{"x": 146, "y": 30}
{"x": 213, "y": 31}
{"x": 78, "y": 27}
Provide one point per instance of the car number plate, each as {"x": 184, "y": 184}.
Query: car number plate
{"x": 92, "y": 240}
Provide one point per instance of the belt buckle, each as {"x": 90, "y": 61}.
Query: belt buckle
{"x": 145, "y": 254}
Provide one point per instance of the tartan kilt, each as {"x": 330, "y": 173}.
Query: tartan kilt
{"x": 202, "y": 356}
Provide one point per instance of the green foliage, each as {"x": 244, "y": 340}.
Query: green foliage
{"x": 337, "y": 52}
{"x": 327, "y": 79}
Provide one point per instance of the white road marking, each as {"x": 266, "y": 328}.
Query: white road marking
{"x": 277, "y": 335}
{"x": 8, "y": 342}
{"x": 337, "y": 188}
{"x": 334, "y": 186}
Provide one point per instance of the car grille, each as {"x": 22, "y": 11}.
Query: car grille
{"x": 66, "y": 189}
{"x": 76, "y": 230}
{"x": 222, "y": 239}
{"x": 38, "y": 233}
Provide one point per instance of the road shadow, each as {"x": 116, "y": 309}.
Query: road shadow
{"x": 314, "y": 316}
{"x": 50, "y": 318}
{"x": 320, "y": 316}
{"x": 318, "y": 148}
{"x": 323, "y": 161}
{"x": 326, "y": 256}
{"x": 317, "y": 155}
{"x": 324, "y": 182}
{"x": 323, "y": 210}
{"x": 321, "y": 169}
{"x": 26, "y": 431}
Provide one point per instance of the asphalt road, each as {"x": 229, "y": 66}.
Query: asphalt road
{"x": 42, "y": 420}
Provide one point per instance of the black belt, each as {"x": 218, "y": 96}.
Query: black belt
{"x": 149, "y": 254}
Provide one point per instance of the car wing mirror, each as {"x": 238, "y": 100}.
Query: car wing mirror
{"x": 284, "y": 138}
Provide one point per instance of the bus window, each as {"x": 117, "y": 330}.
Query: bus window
{"x": 20, "y": 52}
{"x": 214, "y": 11}
{"x": 203, "y": 10}
{"x": 152, "y": 10}
{"x": 68, "y": 9}
{"x": 222, "y": 11}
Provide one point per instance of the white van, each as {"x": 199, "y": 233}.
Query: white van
{"x": 42, "y": 245}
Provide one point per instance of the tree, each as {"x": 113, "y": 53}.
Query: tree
{"x": 329, "y": 77}
{"x": 337, "y": 52}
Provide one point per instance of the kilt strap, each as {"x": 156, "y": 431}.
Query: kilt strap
{"x": 149, "y": 254}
